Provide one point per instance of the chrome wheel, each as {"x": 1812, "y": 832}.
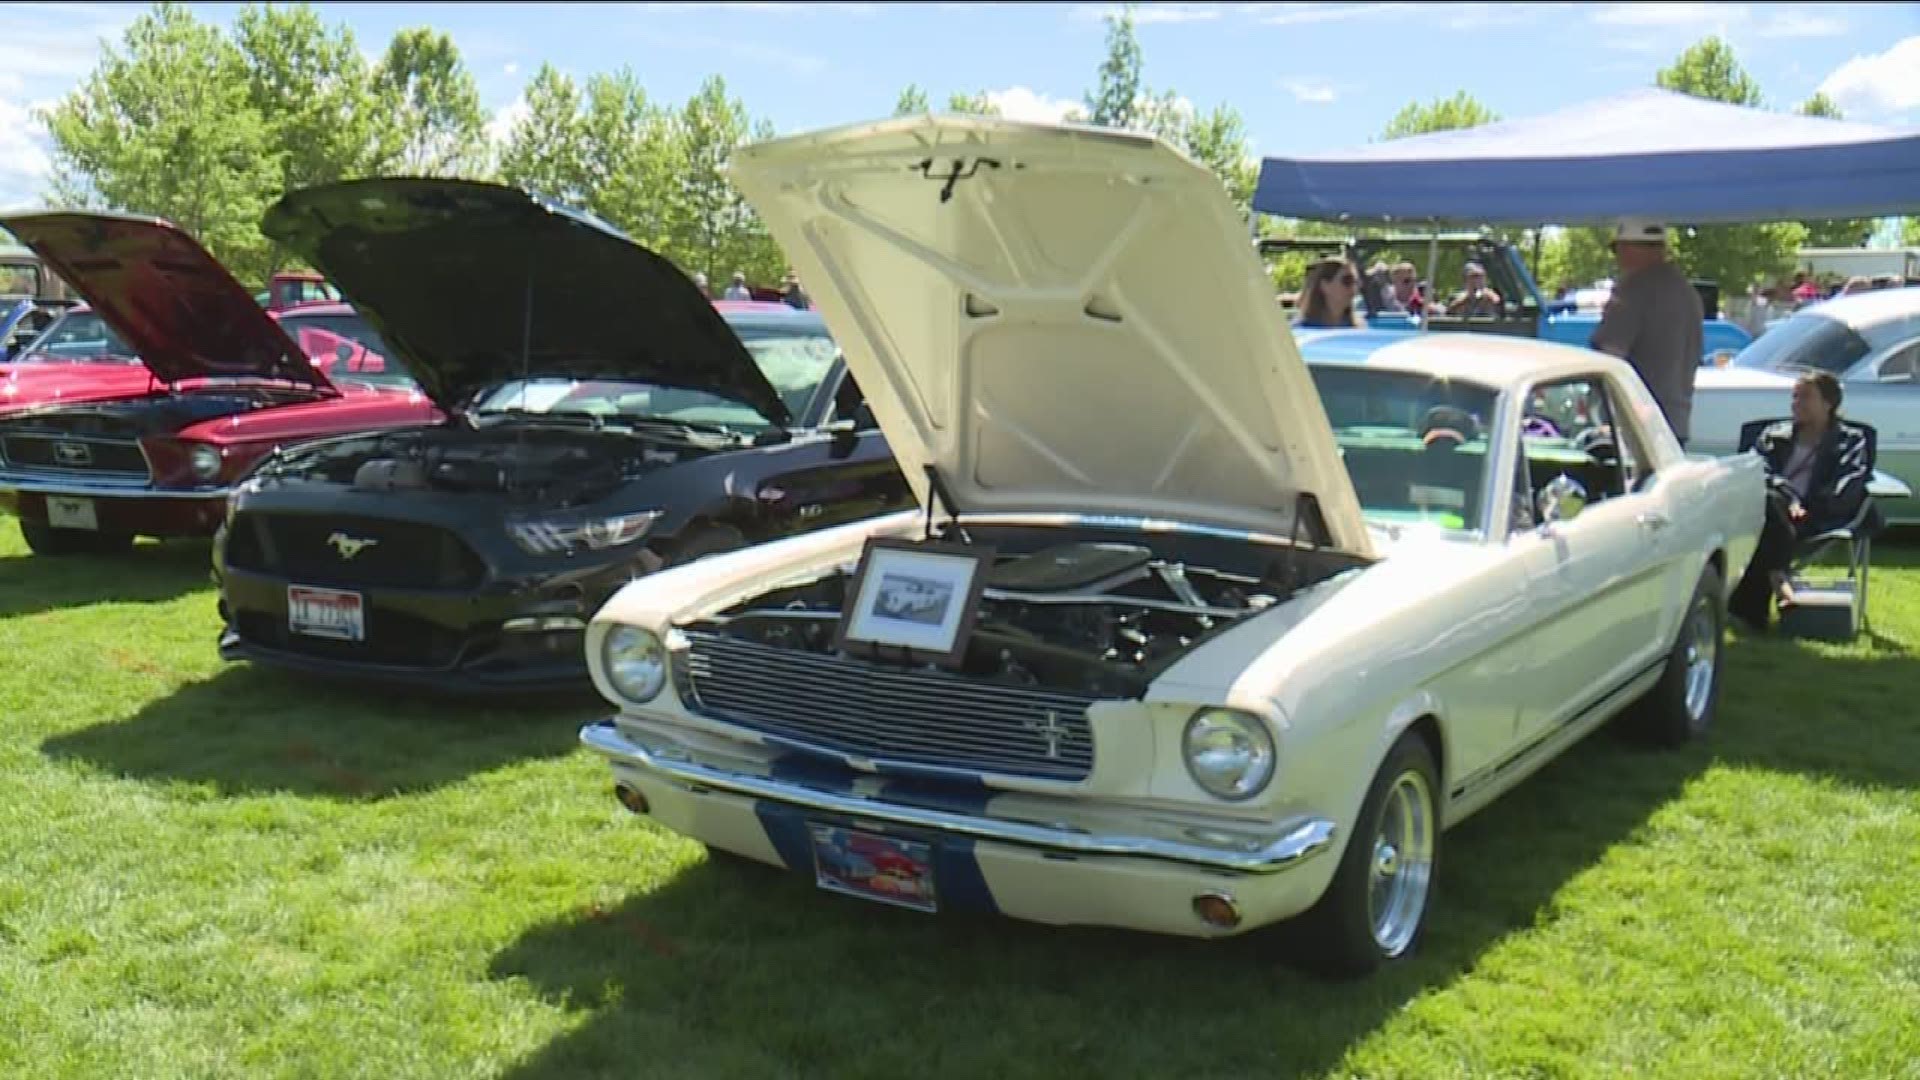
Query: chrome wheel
{"x": 1400, "y": 869}
{"x": 1703, "y": 647}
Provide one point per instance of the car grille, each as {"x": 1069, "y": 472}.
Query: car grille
{"x": 392, "y": 638}
{"x": 303, "y": 549}
{"x": 89, "y": 446}
{"x": 909, "y": 717}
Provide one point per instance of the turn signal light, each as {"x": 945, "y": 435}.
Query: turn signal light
{"x": 1217, "y": 909}
{"x": 630, "y": 798}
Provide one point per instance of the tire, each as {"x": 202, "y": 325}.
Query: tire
{"x": 49, "y": 542}
{"x": 1680, "y": 707}
{"x": 701, "y": 541}
{"x": 1399, "y": 824}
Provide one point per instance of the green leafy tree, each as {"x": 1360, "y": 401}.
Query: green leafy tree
{"x": 1462, "y": 110}
{"x": 1843, "y": 232}
{"x": 712, "y": 228}
{"x": 433, "y": 105}
{"x": 632, "y": 158}
{"x": 911, "y": 102}
{"x": 1910, "y": 231}
{"x": 165, "y": 125}
{"x": 1735, "y": 256}
{"x": 546, "y": 150}
{"x": 974, "y": 104}
{"x": 1577, "y": 256}
{"x": 1218, "y": 139}
{"x": 1115, "y": 99}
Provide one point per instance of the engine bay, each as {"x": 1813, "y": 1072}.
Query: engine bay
{"x": 1089, "y": 616}
{"x": 553, "y": 467}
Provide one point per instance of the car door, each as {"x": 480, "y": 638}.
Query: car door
{"x": 1885, "y": 392}
{"x": 843, "y": 475}
{"x": 1596, "y": 581}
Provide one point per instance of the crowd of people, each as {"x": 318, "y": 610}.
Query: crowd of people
{"x": 789, "y": 292}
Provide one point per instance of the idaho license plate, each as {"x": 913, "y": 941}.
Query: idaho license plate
{"x": 69, "y": 513}
{"x": 874, "y": 867}
{"x": 327, "y": 613}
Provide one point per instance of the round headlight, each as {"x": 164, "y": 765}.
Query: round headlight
{"x": 636, "y": 662}
{"x": 205, "y": 461}
{"x": 1228, "y": 753}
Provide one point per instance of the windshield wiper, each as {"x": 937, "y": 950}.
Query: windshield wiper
{"x": 692, "y": 427}
{"x": 576, "y": 419}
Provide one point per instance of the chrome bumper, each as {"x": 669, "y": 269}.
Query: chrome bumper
{"x": 102, "y": 489}
{"x": 1216, "y": 848}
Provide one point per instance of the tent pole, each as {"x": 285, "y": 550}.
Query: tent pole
{"x": 1433, "y": 271}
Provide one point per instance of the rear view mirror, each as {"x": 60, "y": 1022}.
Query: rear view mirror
{"x": 1561, "y": 500}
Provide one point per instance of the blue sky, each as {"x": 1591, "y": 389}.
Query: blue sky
{"x": 1307, "y": 77}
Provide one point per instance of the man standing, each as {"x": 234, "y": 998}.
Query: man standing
{"x": 1652, "y": 320}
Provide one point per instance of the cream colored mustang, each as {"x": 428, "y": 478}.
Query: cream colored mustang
{"x": 1238, "y": 634}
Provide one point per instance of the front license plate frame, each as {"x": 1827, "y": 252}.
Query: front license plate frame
{"x": 873, "y": 866}
{"x": 70, "y": 512}
{"x": 336, "y": 614}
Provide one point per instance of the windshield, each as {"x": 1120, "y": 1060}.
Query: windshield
{"x": 794, "y": 359}
{"x": 1806, "y": 341}
{"x": 1415, "y": 447}
{"x": 78, "y": 337}
{"x": 346, "y": 348}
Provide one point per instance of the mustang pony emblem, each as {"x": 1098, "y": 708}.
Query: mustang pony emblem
{"x": 349, "y": 546}
{"x": 72, "y": 453}
{"x": 1049, "y": 729}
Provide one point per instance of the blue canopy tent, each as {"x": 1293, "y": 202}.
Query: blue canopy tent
{"x": 1651, "y": 153}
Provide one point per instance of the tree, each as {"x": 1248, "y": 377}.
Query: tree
{"x": 1114, "y": 102}
{"x": 1462, "y": 110}
{"x": 434, "y": 105}
{"x": 1218, "y": 140}
{"x": 546, "y": 149}
{"x": 165, "y": 125}
{"x": 974, "y": 104}
{"x": 1910, "y": 231}
{"x": 712, "y": 228}
{"x": 1735, "y": 256}
{"x": 632, "y": 157}
{"x": 1844, "y": 232}
{"x": 912, "y": 102}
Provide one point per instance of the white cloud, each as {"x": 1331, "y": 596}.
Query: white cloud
{"x": 1800, "y": 24}
{"x": 1310, "y": 91}
{"x": 1294, "y": 15}
{"x": 45, "y": 50}
{"x": 1669, "y": 14}
{"x": 510, "y": 68}
{"x": 24, "y": 160}
{"x": 1021, "y": 103}
{"x": 1880, "y": 84}
{"x": 500, "y": 125}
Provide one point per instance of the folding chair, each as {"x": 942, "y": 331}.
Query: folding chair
{"x": 1857, "y": 534}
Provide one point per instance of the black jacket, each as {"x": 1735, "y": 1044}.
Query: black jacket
{"x": 1841, "y": 470}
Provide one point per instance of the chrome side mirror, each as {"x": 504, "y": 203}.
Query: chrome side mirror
{"x": 1561, "y": 500}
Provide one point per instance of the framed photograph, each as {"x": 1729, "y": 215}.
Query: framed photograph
{"x": 914, "y": 601}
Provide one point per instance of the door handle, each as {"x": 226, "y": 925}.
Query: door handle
{"x": 1653, "y": 520}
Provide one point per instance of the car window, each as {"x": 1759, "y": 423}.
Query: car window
{"x": 346, "y": 347}
{"x": 1903, "y": 365}
{"x": 1807, "y": 341}
{"x": 794, "y": 360}
{"x": 1415, "y": 447}
{"x": 78, "y": 335}
{"x": 1568, "y": 428}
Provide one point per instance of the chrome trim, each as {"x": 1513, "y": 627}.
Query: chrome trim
{"x": 103, "y": 489}
{"x": 1299, "y": 840}
{"x": 540, "y": 624}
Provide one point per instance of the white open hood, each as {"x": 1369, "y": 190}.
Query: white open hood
{"x": 1058, "y": 319}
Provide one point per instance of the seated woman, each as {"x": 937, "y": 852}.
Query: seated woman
{"x": 1817, "y": 474}
{"x": 1327, "y": 295}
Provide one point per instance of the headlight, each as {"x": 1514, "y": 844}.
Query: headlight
{"x": 635, "y": 662}
{"x": 205, "y": 461}
{"x": 555, "y": 537}
{"x": 1228, "y": 753}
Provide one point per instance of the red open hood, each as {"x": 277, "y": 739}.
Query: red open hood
{"x": 179, "y": 309}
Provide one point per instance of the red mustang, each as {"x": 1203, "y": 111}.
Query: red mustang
{"x": 95, "y": 453}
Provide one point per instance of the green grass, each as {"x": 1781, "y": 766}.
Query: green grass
{"x": 213, "y": 871}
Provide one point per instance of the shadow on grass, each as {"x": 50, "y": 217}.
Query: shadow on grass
{"x": 150, "y": 573}
{"x": 247, "y": 730}
{"x": 731, "y": 969}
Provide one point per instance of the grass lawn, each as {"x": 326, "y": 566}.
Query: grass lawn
{"x": 213, "y": 871}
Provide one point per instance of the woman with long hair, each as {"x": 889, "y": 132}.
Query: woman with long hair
{"x": 1327, "y": 295}
{"x": 1817, "y": 473}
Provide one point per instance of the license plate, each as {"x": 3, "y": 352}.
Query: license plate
{"x": 68, "y": 513}
{"x": 327, "y": 613}
{"x": 873, "y": 867}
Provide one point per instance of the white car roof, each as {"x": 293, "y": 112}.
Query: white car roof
{"x": 1496, "y": 361}
{"x": 1862, "y": 310}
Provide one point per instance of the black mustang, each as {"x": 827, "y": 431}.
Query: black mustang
{"x": 604, "y": 419}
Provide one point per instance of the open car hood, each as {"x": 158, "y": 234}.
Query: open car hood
{"x": 1074, "y": 323}
{"x": 472, "y": 284}
{"x": 166, "y": 296}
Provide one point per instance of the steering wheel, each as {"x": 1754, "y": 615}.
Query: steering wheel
{"x": 1539, "y": 427}
{"x": 1588, "y": 441}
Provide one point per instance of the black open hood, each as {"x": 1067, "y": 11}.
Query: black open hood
{"x": 472, "y": 284}
{"x": 166, "y": 296}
